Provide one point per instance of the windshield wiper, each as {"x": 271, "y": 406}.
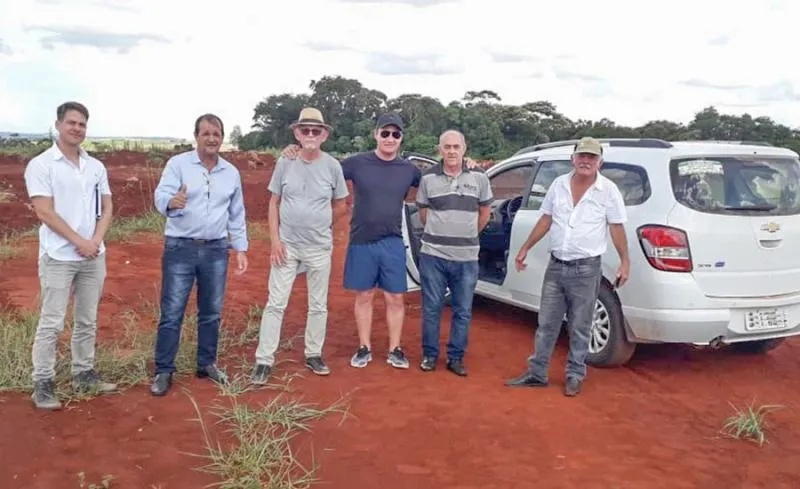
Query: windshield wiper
{"x": 761, "y": 207}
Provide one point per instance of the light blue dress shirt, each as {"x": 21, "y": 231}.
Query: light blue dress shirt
{"x": 214, "y": 200}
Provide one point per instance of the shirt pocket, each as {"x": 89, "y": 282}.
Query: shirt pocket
{"x": 593, "y": 211}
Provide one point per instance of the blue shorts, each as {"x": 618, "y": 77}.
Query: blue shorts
{"x": 380, "y": 264}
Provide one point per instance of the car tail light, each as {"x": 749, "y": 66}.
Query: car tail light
{"x": 666, "y": 248}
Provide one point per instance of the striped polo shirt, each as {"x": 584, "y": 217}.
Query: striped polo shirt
{"x": 451, "y": 227}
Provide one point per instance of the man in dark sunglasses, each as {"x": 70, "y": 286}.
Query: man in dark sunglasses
{"x": 376, "y": 253}
{"x": 300, "y": 226}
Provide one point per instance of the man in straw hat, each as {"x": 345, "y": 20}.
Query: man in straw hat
{"x": 300, "y": 226}
{"x": 376, "y": 255}
{"x": 578, "y": 210}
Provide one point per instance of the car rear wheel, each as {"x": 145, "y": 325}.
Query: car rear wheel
{"x": 608, "y": 343}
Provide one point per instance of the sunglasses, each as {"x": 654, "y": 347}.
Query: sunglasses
{"x": 394, "y": 134}
{"x": 305, "y": 131}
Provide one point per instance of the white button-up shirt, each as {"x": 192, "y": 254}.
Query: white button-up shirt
{"x": 581, "y": 231}
{"x": 76, "y": 192}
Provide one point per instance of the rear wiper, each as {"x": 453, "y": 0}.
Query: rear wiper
{"x": 762, "y": 207}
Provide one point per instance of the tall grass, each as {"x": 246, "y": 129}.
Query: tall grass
{"x": 123, "y": 229}
{"x": 259, "y": 452}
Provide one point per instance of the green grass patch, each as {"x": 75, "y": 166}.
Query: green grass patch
{"x": 123, "y": 229}
{"x": 258, "y": 451}
{"x": 105, "y": 482}
{"x": 125, "y": 361}
{"x": 749, "y": 423}
{"x": 9, "y": 251}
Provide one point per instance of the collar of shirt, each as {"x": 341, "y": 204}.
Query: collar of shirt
{"x": 221, "y": 164}
{"x": 598, "y": 182}
{"x": 57, "y": 154}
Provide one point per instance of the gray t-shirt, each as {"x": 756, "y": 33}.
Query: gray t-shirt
{"x": 306, "y": 190}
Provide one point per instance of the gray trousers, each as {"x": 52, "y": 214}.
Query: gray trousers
{"x": 317, "y": 262}
{"x": 571, "y": 289}
{"x": 59, "y": 281}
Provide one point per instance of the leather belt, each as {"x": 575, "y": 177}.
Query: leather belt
{"x": 577, "y": 261}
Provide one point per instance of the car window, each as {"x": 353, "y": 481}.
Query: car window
{"x": 631, "y": 180}
{"x": 511, "y": 183}
{"x": 548, "y": 171}
{"x": 737, "y": 185}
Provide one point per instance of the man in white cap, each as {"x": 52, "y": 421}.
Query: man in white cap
{"x": 579, "y": 210}
{"x": 300, "y": 226}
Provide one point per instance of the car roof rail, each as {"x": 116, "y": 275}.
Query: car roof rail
{"x": 614, "y": 142}
{"x": 722, "y": 141}
{"x": 409, "y": 154}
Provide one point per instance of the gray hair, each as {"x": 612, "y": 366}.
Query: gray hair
{"x": 453, "y": 131}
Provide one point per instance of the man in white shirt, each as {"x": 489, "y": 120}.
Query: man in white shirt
{"x": 579, "y": 209}
{"x": 72, "y": 199}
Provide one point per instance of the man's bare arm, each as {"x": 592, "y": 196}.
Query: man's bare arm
{"x": 483, "y": 217}
{"x": 537, "y": 233}
{"x": 273, "y": 217}
{"x": 620, "y": 241}
{"x": 45, "y": 212}
{"x": 105, "y": 220}
{"x": 423, "y": 214}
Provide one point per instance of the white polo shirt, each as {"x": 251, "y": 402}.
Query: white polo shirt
{"x": 75, "y": 191}
{"x": 581, "y": 231}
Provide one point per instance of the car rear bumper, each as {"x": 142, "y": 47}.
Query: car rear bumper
{"x": 704, "y": 326}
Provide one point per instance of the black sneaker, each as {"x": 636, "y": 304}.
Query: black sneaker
{"x": 572, "y": 387}
{"x": 428, "y": 364}
{"x": 261, "y": 374}
{"x": 397, "y": 358}
{"x": 161, "y": 384}
{"x": 89, "y": 381}
{"x": 457, "y": 367}
{"x": 361, "y": 358}
{"x": 214, "y": 373}
{"x": 44, "y": 395}
{"x": 317, "y": 366}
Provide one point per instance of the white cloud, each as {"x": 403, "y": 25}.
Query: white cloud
{"x": 150, "y": 67}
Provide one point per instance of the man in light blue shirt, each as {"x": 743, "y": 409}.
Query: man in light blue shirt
{"x": 200, "y": 193}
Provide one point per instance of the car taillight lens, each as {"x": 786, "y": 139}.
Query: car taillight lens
{"x": 666, "y": 248}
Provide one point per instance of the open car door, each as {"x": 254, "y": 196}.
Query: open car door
{"x": 412, "y": 224}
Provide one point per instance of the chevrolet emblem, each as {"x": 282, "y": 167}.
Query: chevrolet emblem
{"x": 771, "y": 227}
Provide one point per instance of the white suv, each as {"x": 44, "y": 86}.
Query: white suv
{"x": 713, "y": 235}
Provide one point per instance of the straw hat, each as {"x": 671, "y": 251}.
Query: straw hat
{"x": 310, "y": 116}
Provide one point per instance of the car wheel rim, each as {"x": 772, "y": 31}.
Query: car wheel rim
{"x": 601, "y": 328}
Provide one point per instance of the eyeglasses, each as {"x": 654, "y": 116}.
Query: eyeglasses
{"x": 305, "y": 131}
{"x": 394, "y": 134}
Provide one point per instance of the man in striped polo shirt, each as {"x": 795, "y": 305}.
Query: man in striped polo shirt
{"x": 453, "y": 202}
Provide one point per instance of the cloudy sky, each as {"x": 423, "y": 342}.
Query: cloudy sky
{"x": 148, "y": 68}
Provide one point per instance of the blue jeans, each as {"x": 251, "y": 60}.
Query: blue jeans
{"x": 437, "y": 274}
{"x": 185, "y": 260}
{"x": 571, "y": 289}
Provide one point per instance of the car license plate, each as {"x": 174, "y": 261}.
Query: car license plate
{"x": 762, "y": 319}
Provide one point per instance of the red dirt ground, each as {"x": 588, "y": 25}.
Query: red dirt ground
{"x": 651, "y": 424}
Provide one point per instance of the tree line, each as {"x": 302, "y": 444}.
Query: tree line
{"x": 494, "y": 130}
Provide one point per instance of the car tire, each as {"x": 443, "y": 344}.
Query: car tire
{"x": 610, "y": 344}
{"x": 758, "y": 346}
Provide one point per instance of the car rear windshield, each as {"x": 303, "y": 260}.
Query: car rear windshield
{"x": 738, "y": 185}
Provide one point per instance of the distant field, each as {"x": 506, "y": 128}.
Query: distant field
{"x": 29, "y": 148}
